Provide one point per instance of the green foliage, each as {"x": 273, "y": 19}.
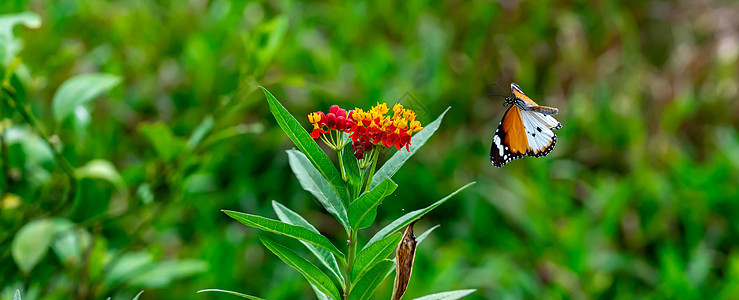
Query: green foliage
{"x": 308, "y": 270}
{"x": 76, "y": 92}
{"x": 296, "y": 232}
{"x": 307, "y": 146}
{"x": 231, "y": 293}
{"x": 165, "y": 143}
{"x": 362, "y": 212}
{"x": 311, "y": 180}
{"x": 408, "y": 218}
{"x": 373, "y": 254}
{"x": 31, "y": 243}
{"x": 451, "y": 295}
{"x": 637, "y": 200}
{"x": 369, "y": 282}
{"x": 364, "y": 272}
{"x": 327, "y": 259}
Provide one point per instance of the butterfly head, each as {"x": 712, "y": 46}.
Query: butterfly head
{"x": 509, "y": 101}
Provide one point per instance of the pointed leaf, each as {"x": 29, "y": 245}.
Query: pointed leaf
{"x": 163, "y": 273}
{"x": 410, "y": 217}
{"x": 369, "y": 282}
{"x": 17, "y": 295}
{"x": 362, "y": 212}
{"x": 371, "y": 255}
{"x": 423, "y": 236}
{"x": 102, "y": 169}
{"x": 319, "y": 294}
{"x": 166, "y": 144}
{"x": 231, "y": 293}
{"x": 305, "y": 143}
{"x": 9, "y": 45}
{"x": 451, "y": 295}
{"x": 31, "y": 243}
{"x": 393, "y": 164}
{"x": 80, "y": 90}
{"x": 290, "y": 217}
{"x": 137, "y": 295}
{"x": 307, "y": 269}
{"x": 200, "y": 132}
{"x": 296, "y": 232}
{"x": 311, "y": 180}
{"x": 7, "y": 22}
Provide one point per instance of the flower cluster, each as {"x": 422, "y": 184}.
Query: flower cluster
{"x": 335, "y": 120}
{"x": 368, "y": 128}
{"x": 374, "y": 127}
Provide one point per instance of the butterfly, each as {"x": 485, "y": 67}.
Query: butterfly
{"x": 526, "y": 129}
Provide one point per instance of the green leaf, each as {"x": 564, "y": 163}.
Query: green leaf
{"x": 451, "y": 295}
{"x": 307, "y": 145}
{"x": 307, "y": 269}
{"x": 369, "y": 282}
{"x": 102, "y": 169}
{"x": 276, "y": 28}
{"x": 69, "y": 242}
{"x": 351, "y": 169}
{"x": 166, "y": 144}
{"x": 393, "y": 164}
{"x": 373, "y": 254}
{"x": 312, "y": 181}
{"x": 233, "y": 131}
{"x": 362, "y": 212}
{"x": 320, "y": 295}
{"x": 145, "y": 193}
{"x": 17, "y": 295}
{"x": 163, "y": 273}
{"x": 31, "y": 243}
{"x": 128, "y": 266}
{"x": 9, "y": 46}
{"x": 7, "y": 22}
{"x": 231, "y": 293}
{"x": 137, "y": 295}
{"x": 423, "y": 236}
{"x": 296, "y": 232}
{"x": 200, "y": 132}
{"x": 410, "y": 217}
{"x": 80, "y": 90}
{"x": 290, "y": 217}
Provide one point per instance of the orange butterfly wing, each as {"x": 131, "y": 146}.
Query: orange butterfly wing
{"x": 509, "y": 141}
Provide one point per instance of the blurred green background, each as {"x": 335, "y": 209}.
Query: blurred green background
{"x": 640, "y": 198}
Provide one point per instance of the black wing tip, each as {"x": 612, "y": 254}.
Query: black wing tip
{"x": 546, "y": 150}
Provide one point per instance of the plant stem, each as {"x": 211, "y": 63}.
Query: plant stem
{"x": 27, "y": 115}
{"x": 351, "y": 253}
{"x": 375, "y": 154}
{"x": 341, "y": 165}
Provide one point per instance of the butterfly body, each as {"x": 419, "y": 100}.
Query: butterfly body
{"x": 526, "y": 129}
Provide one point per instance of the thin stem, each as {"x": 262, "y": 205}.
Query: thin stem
{"x": 375, "y": 154}
{"x": 323, "y": 137}
{"x": 341, "y": 165}
{"x": 350, "y": 261}
{"x": 27, "y": 115}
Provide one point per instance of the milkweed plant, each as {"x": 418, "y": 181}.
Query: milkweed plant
{"x": 351, "y": 193}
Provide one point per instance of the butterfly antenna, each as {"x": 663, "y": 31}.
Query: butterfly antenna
{"x": 501, "y": 88}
